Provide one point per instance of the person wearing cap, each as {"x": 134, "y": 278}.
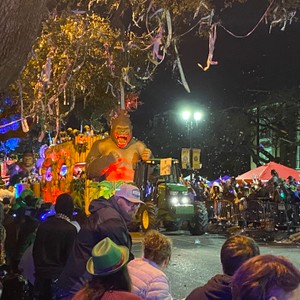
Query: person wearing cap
{"x": 110, "y": 278}
{"x": 108, "y": 218}
{"x": 52, "y": 246}
{"x": 147, "y": 273}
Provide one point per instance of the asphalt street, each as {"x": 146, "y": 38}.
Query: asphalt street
{"x": 195, "y": 259}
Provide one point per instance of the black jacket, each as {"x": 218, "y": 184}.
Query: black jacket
{"x": 105, "y": 221}
{"x": 52, "y": 246}
{"x": 217, "y": 288}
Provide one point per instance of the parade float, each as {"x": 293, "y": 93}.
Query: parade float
{"x": 63, "y": 169}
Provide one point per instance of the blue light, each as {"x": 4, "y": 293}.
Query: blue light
{"x": 47, "y": 214}
{"x": 63, "y": 170}
{"x": 15, "y": 125}
{"x": 12, "y": 144}
{"x": 4, "y": 129}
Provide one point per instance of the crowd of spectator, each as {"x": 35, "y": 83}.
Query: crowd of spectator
{"x": 68, "y": 257}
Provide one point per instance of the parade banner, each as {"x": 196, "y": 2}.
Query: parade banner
{"x": 196, "y": 159}
{"x": 185, "y": 158}
{"x": 165, "y": 166}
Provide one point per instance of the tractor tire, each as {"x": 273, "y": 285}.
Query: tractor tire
{"x": 199, "y": 223}
{"x": 149, "y": 216}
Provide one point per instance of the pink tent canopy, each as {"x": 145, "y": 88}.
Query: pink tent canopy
{"x": 264, "y": 172}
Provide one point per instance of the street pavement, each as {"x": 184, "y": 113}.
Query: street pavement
{"x": 195, "y": 259}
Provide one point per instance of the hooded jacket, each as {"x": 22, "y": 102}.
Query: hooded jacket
{"x": 104, "y": 221}
{"x": 217, "y": 288}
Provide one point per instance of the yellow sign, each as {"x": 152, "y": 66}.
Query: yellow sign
{"x": 196, "y": 159}
{"x": 165, "y": 166}
{"x": 185, "y": 158}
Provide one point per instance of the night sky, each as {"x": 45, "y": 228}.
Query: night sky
{"x": 262, "y": 61}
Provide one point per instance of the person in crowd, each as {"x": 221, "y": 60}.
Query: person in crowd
{"x": 216, "y": 195}
{"x": 147, "y": 274}
{"x": 53, "y": 243}
{"x": 266, "y": 277}
{"x": 26, "y": 227}
{"x": 234, "y": 252}
{"x": 108, "y": 218}
{"x": 110, "y": 279}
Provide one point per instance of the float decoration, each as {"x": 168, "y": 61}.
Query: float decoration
{"x": 105, "y": 189}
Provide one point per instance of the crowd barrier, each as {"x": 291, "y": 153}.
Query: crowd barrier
{"x": 261, "y": 212}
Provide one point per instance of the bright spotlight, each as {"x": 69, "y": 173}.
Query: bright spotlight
{"x": 186, "y": 115}
{"x": 197, "y": 116}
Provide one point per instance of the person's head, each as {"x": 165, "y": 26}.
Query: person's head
{"x": 121, "y": 130}
{"x": 28, "y": 158}
{"x": 157, "y": 248}
{"x": 128, "y": 199}
{"x": 235, "y": 251}
{"x": 64, "y": 205}
{"x": 274, "y": 173}
{"x": 108, "y": 265}
{"x": 6, "y": 204}
{"x": 30, "y": 200}
{"x": 266, "y": 277}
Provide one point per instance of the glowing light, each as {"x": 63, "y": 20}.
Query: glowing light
{"x": 185, "y": 200}
{"x": 197, "y": 116}
{"x": 63, "y": 170}
{"x": 186, "y": 115}
{"x": 174, "y": 200}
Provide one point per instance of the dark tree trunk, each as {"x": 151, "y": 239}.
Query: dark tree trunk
{"x": 20, "y": 24}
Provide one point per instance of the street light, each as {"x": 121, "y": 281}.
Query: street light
{"x": 191, "y": 156}
{"x": 191, "y": 120}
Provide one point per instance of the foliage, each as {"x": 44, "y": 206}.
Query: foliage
{"x": 105, "y": 189}
{"x": 78, "y": 188}
{"x": 91, "y": 53}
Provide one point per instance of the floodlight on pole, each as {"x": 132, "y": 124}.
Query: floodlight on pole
{"x": 186, "y": 115}
{"x": 191, "y": 119}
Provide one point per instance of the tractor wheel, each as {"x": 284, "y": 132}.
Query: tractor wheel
{"x": 199, "y": 223}
{"x": 149, "y": 216}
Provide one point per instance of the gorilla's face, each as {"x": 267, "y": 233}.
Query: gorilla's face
{"x": 121, "y": 135}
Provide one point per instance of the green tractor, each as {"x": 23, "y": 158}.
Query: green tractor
{"x": 167, "y": 200}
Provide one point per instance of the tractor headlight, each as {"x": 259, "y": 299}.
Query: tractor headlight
{"x": 174, "y": 200}
{"x": 185, "y": 200}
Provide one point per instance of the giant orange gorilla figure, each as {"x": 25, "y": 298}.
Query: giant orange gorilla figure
{"x": 114, "y": 157}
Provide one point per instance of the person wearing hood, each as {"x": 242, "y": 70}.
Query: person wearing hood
{"x": 234, "y": 252}
{"x": 108, "y": 218}
{"x": 52, "y": 246}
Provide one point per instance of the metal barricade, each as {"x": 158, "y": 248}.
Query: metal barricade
{"x": 260, "y": 213}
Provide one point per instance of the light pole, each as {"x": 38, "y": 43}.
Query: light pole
{"x": 191, "y": 157}
{"x": 191, "y": 120}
